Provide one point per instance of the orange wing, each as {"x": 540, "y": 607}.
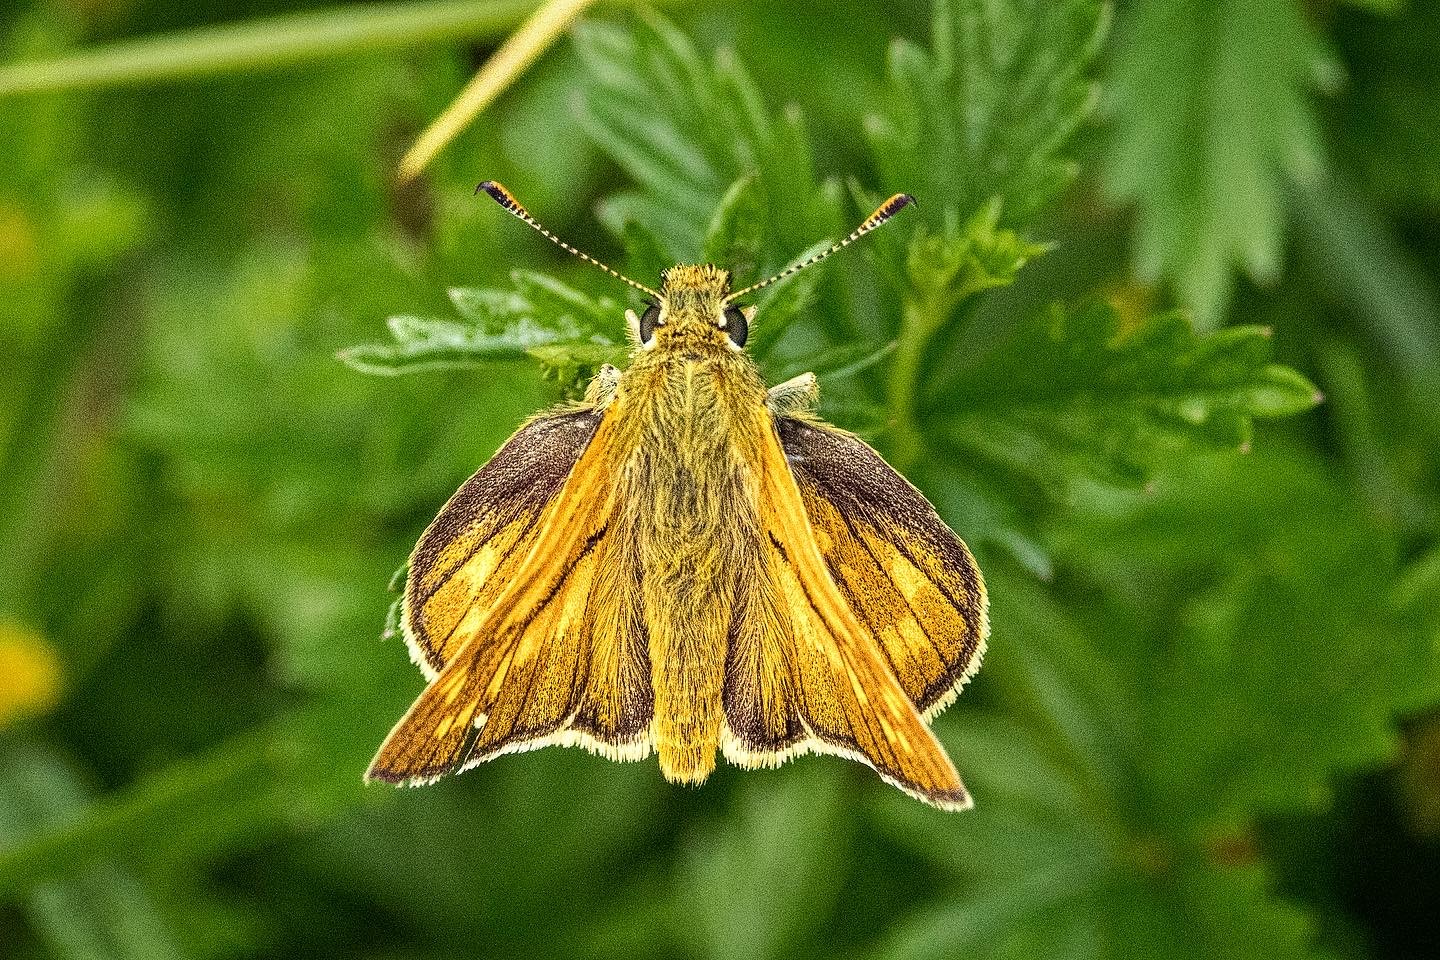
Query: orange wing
{"x": 547, "y": 647}
{"x": 485, "y": 531}
{"x": 805, "y": 675}
{"x": 911, "y": 582}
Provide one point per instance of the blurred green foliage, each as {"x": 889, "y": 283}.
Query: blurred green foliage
{"x": 1207, "y": 723}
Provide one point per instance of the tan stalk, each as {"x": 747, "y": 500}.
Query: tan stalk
{"x": 503, "y": 68}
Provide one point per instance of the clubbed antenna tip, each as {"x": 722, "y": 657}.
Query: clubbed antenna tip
{"x": 502, "y": 196}
{"x": 882, "y": 213}
{"x": 507, "y": 200}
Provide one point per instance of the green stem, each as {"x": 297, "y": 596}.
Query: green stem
{"x": 268, "y": 42}
{"x": 917, "y": 323}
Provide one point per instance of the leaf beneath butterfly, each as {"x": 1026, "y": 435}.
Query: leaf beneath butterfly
{"x": 539, "y": 317}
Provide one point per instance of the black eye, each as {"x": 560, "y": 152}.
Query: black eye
{"x": 736, "y": 326}
{"x": 649, "y": 320}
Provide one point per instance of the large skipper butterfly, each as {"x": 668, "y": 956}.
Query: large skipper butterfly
{"x": 688, "y": 563}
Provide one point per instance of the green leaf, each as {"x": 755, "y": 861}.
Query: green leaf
{"x": 943, "y": 275}
{"x": 440, "y": 344}
{"x": 837, "y": 363}
{"x": 1387, "y": 125}
{"x": 393, "y": 627}
{"x": 1076, "y": 396}
{"x": 759, "y": 881}
{"x": 1041, "y": 873}
{"x": 1361, "y": 265}
{"x": 687, "y": 131}
{"x": 1213, "y": 125}
{"x": 949, "y": 266}
{"x": 97, "y": 912}
{"x": 1111, "y": 820}
{"x": 538, "y": 317}
{"x": 990, "y": 110}
{"x": 1378, "y": 6}
{"x": 782, "y": 303}
{"x": 734, "y": 237}
{"x": 1231, "y": 560}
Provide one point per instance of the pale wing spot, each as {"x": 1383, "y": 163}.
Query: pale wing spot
{"x": 492, "y": 692}
{"x": 451, "y": 557}
{"x": 461, "y": 561}
{"x": 453, "y": 685}
{"x": 860, "y": 694}
{"x": 537, "y": 631}
{"x": 448, "y": 613}
{"x": 911, "y": 632}
{"x": 912, "y": 582}
{"x": 922, "y": 594}
{"x": 891, "y": 734}
{"x": 577, "y": 599}
{"x": 447, "y": 608}
{"x": 487, "y": 559}
{"x": 901, "y": 707}
{"x": 468, "y": 627}
{"x": 801, "y": 617}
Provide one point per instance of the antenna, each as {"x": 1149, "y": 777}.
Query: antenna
{"x": 507, "y": 200}
{"x": 882, "y": 213}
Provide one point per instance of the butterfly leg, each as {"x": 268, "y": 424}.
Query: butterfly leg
{"x": 797, "y": 395}
{"x": 601, "y": 390}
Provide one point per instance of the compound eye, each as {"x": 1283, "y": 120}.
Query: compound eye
{"x": 736, "y": 326}
{"x": 649, "y": 320}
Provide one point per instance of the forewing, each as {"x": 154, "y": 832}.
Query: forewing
{"x": 911, "y": 582}
{"x": 557, "y": 655}
{"x": 804, "y": 675}
{"x": 483, "y": 534}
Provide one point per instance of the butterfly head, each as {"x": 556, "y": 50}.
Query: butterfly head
{"x": 693, "y": 305}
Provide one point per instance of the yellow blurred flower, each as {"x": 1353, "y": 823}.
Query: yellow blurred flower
{"x": 29, "y": 674}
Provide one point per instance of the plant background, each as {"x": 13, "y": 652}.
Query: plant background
{"x": 1146, "y": 235}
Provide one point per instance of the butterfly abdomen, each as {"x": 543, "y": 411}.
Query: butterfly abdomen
{"x": 694, "y": 500}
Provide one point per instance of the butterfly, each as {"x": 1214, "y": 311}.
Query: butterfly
{"x": 687, "y": 563}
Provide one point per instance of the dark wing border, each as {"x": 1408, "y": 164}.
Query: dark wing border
{"x": 843, "y": 469}
{"x": 523, "y": 476}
